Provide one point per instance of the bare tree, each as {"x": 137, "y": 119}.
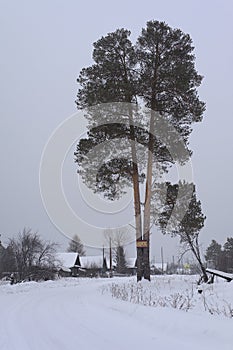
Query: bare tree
{"x": 34, "y": 258}
{"x": 76, "y": 246}
{"x": 118, "y": 237}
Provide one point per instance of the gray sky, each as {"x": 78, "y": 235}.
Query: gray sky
{"x": 44, "y": 45}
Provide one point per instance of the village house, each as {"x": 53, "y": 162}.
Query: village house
{"x": 71, "y": 264}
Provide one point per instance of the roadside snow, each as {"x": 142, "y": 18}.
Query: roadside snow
{"x": 178, "y": 292}
{"x": 75, "y": 314}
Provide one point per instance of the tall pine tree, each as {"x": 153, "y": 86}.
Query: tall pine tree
{"x": 158, "y": 71}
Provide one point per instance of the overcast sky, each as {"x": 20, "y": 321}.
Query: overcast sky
{"x": 44, "y": 45}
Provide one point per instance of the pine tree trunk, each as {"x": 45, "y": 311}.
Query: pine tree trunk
{"x": 146, "y": 261}
{"x": 147, "y": 209}
{"x": 140, "y": 270}
{"x": 137, "y": 202}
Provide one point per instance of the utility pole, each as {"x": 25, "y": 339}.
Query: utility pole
{"x": 110, "y": 255}
{"x": 162, "y": 258}
{"x": 103, "y": 253}
{"x": 173, "y": 264}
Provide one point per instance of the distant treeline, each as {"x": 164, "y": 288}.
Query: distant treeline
{"x": 220, "y": 257}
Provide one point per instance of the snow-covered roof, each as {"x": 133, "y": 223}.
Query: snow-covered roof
{"x": 66, "y": 260}
{"x": 131, "y": 262}
{"x": 93, "y": 260}
{"x": 65, "y": 269}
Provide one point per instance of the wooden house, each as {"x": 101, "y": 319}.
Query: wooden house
{"x": 68, "y": 264}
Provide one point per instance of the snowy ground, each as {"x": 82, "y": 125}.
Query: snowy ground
{"x": 81, "y": 314}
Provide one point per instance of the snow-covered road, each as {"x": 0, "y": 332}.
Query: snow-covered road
{"x": 73, "y": 314}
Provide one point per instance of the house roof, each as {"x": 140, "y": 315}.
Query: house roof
{"x": 66, "y": 260}
{"x": 93, "y": 260}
